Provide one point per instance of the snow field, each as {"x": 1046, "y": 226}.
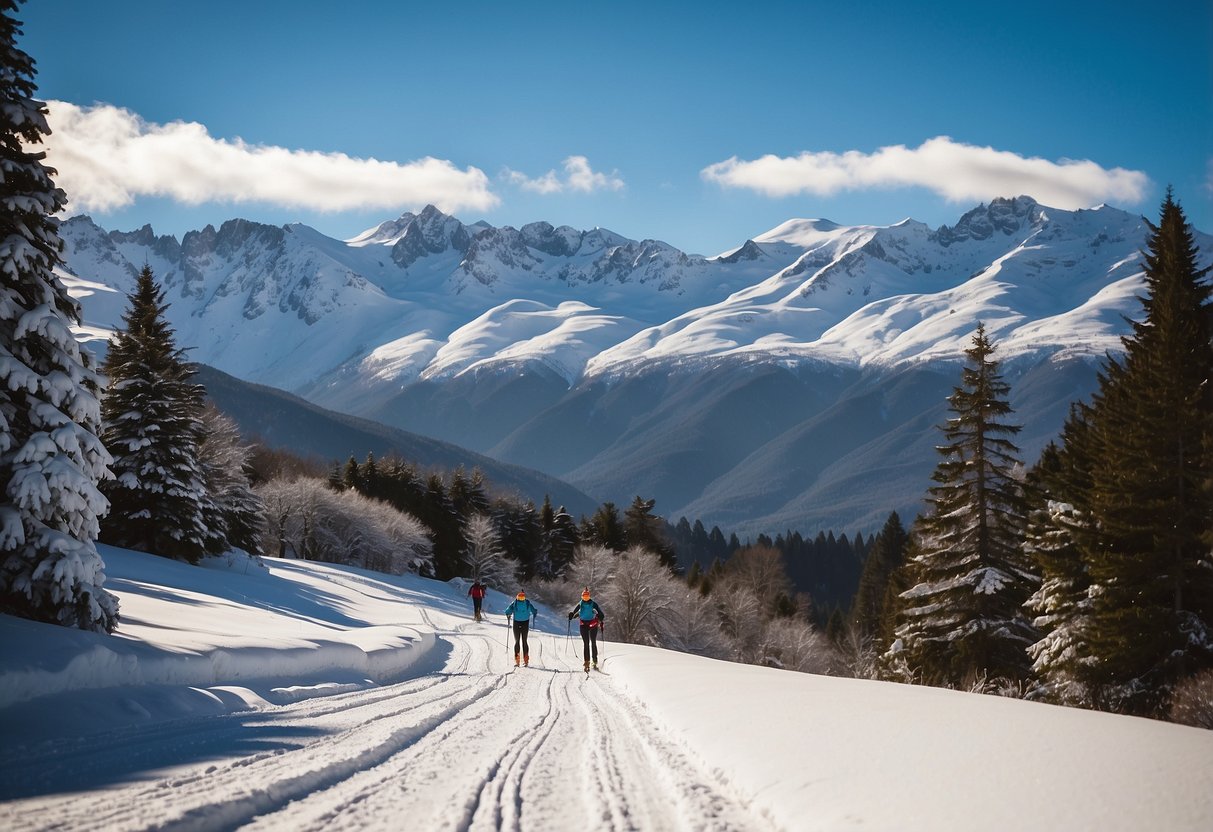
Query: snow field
{"x": 302, "y": 735}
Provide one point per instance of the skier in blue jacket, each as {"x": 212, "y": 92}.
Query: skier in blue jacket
{"x": 522, "y": 611}
{"x": 592, "y": 618}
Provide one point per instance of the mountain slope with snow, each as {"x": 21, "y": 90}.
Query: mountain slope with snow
{"x": 550, "y": 347}
{"x": 295, "y": 695}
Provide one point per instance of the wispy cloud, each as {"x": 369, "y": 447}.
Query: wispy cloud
{"x": 107, "y": 157}
{"x": 1209, "y": 178}
{"x": 578, "y": 176}
{"x": 958, "y": 172}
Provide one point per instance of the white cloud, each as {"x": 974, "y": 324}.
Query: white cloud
{"x": 958, "y": 172}
{"x": 107, "y": 157}
{"x": 578, "y": 176}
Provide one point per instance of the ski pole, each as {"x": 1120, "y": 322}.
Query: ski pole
{"x": 507, "y": 634}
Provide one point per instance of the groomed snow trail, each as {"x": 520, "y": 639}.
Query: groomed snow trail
{"x": 476, "y": 745}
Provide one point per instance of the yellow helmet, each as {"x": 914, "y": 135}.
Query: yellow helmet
{"x": 521, "y": 596}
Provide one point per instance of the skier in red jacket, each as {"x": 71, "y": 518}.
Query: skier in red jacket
{"x": 477, "y": 593}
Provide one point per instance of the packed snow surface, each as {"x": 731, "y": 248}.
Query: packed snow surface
{"x": 297, "y": 696}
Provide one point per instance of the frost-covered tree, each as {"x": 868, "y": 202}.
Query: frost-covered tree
{"x": 743, "y": 619}
{"x": 483, "y": 554}
{"x": 793, "y": 644}
{"x": 692, "y": 626}
{"x": 761, "y": 570}
{"x": 592, "y": 566}
{"x": 51, "y": 459}
{"x": 309, "y": 520}
{"x": 1062, "y": 602}
{"x": 152, "y": 416}
{"x": 240, "y": 516}
{"x": 964, "y": 614}
{"x": 640, "y": 597}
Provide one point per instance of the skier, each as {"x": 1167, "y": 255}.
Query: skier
{"x": 522, "y": 611}
{"x": 591, "y": 619}
{"x": 477, "y": 593}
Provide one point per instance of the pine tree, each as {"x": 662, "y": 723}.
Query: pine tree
{"x": 605, "y": 528}
{"x": 963, "y": 616}
{"x": 1151, "y": 569}
{"x": 886, "y": 555}
{"x": 152, "y": 414}
{"x": 642, "y": 528}
{"x": 51, "y": 459}
{"x": 1058, "y": 486}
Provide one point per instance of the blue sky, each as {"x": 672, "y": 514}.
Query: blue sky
{"x": 700, "y": 124}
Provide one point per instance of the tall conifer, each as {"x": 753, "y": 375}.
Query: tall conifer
{"x": 51, "y": 458}
{"x": 886, "y": 555}
{"x": 1151, "y": 617}
{"x": 152, "y": 413}
{"x": 963, "y": 617}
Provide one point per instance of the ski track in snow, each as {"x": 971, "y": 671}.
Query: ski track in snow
{"x": 476, "y": 745}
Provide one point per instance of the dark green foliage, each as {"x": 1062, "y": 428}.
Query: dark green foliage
{"x": 152, "y": 413}
{"x": 468, "y": 494}
{"x": 440, "y": 518}
{"x": 886, "y": 554}
{"x": 643, "y": 529}
{"x": 519, "y": 534}
{"x": 1151, "y": 620}
{"x": 560, "y": 539}
{"x": 963, "y": 616}
{"x": 605, "y": 528}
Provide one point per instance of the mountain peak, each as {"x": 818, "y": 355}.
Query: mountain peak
{"x": 1003, "y": 214}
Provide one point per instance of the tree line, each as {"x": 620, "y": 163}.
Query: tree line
{"x": 1086, "y": 579}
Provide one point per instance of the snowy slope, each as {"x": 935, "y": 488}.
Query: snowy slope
{"x": 566, "y": 350}
{"x": 426, "y": 296}
{"x": 302, "y": 696}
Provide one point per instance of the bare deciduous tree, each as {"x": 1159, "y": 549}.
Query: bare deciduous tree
{"x": 640, "y": 597}
{"x": 308, "y": 520}
{"x": 483, "y": 553}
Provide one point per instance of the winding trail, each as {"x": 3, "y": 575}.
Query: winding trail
{"x": 474, "y": 745}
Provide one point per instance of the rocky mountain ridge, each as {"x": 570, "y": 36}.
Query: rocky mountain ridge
{"x": 517, "y": 341}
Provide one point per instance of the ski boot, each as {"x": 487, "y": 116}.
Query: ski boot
{"x": 515, "y": 660}
{"x": 594, "y": 665}
{"x": 586, "y": 667}
{"x": 526, "y": 661}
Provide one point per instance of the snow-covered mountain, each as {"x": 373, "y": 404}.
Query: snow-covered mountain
{"x": 631, "y": 367}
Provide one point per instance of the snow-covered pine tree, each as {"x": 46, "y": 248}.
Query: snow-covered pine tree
{"x": 964, "y": 617}
{"x": 1151, "y": 617}
{"x": 1061, "y": 603}
{"x": 240, "y": 518}
{"x": 51, "y": 459}
{"x": 559, "y": 536}
{"x": 152, "y": 413}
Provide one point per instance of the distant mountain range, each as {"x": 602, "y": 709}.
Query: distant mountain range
{"x": 794, "y": 381}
